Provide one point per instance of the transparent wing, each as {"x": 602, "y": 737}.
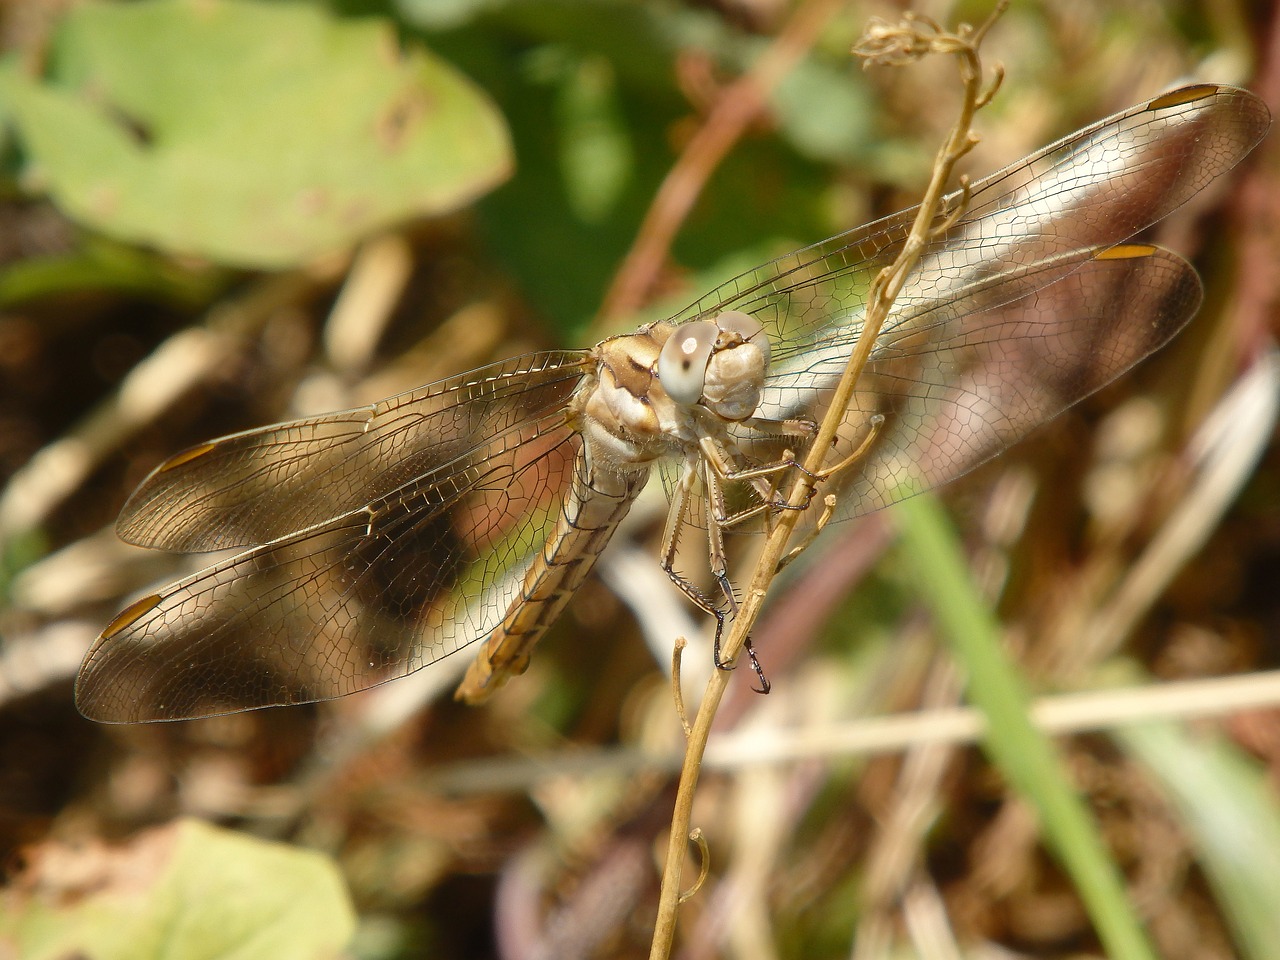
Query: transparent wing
{"x": 1015, "y": 310}
{"x": 385, "y": 538}
{"x": 971, "y": 376}
{"x": 251, "y": 488}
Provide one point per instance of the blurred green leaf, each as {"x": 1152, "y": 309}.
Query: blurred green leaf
{"x": 16, "y": 554}
{"x": 100, "y": 264}
{"x": 444, "y": 14}
{"x": 595, "y": 150}
{"x": 1232, "y": 815}
{"x": 826, "y": 113}
{"x": 255, "y": 134}
{"x": 1031, "y": 762}
{"x": 189, "y": 891}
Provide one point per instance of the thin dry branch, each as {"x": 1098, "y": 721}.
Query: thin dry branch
{"x": 913, "y": 38}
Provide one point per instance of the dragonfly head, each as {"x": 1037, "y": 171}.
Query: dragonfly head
{"x": 719, "y": 363}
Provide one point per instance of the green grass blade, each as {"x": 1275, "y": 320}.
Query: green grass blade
{"x": 1231, "y": 814}
{"x": 1030, "y": 761}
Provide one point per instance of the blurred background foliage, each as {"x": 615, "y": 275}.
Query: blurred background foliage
{"x": 220, "y": 213}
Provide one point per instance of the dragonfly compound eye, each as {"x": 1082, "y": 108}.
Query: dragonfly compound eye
{"x": 682, "y": 365}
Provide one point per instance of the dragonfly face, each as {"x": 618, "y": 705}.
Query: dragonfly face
{"x": 378, "y": 540}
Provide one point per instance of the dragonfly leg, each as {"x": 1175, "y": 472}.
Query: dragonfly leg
{"x": 829, "y": 501}
{"x": 726, "y": 471}
{"x": 828, "y": 511}
{"x": 767, "y": 507}
{"x": 715, "y": 550}
{"x": 769, "y": 492}
{"x": 764, "y": 478}
{"x": 676, "y": 519}
{"x": 715, "y": 534}
{"x": 874, "y": 423}
{"x": 765, "y": 685}
{"x": 705, "y": 604}
{"x": 794, "y": 427}
{"x": 800, "y": 427}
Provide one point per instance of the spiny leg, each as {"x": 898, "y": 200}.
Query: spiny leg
{"x": 676, "y": 519}
{"x": 769, "y": 493}
{"x": 715, "y": 548}
{"x": 718, "y": 467}
{"x": 792, "y": 427}
{"x": 719, "y": 569}
{"x": 765, "y": 685}
{"x": 762, "y": 477}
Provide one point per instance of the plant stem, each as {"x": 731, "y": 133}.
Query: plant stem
{"x": 883, "y": 44}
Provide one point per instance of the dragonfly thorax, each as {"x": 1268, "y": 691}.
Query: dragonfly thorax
{"x": 659, "y": 391}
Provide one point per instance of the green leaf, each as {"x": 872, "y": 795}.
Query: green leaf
{"x": 1033, "y": 765}
{"x": 825, "y": 114}
{"x": 97, "y": 264}
{"x": 188, "y": 891}
{"x": 595, "y": 151}
{"x": 255, "y": 134}
{"x": 1230, "y": 811}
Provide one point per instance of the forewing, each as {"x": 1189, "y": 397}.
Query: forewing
{"x": 254, "y": 487}
{"x": 1050, "y": 211}
{"x": 1015, "y": 311}
{"x": 361, "y": 596}
{"x": 969, "y": 378}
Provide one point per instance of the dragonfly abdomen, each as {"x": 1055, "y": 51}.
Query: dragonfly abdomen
{"x": 597, "y": 500}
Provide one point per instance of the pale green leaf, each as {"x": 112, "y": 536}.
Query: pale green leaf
{"x": 188, "y": 891}
{"x": 254, "y": 134}
{"x": 1231, "y": 812}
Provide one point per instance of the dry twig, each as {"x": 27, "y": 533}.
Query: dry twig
{"x": 915, "y": 37}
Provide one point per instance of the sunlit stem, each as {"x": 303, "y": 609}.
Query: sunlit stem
{"x": 828, "y": 511}
{"x": 911, "y": 43}
{"x": 677, "y": 686}
{"x": 829, "y": 501}
{"x": 704, "y": 861}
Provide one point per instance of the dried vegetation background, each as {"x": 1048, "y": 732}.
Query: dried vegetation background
{"x": 1133, "y": 543}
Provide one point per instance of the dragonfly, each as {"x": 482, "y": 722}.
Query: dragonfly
{"x": 373, "y": 542}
